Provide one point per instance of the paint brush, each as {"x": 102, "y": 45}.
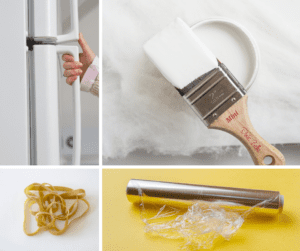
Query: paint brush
{"x": 208, "y": 87}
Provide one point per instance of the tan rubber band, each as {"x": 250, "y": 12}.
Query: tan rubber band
{"x": 50, "y": 202}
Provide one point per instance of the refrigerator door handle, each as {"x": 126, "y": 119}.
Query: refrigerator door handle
{"x": 73, "y": 50}
{"x": 74, "y": 33}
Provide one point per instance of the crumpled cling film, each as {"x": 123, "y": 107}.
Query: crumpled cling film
{"x": 52, "y": 203}
{"x": 199, "y": 223}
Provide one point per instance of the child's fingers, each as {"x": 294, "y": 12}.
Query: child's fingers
{"x": 68, "y": 58}
{"x": 74, "y": 72}
{"x": 72, "y": 65}
{"x": 70, "y": 80}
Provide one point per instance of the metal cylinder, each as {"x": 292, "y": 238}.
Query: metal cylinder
{"x": 164, "y": 192}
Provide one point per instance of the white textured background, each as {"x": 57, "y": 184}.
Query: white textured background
{"x": 141, "y": 110}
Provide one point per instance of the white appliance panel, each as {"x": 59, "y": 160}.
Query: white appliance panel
{"x": 47, "y": 113}
{"x": 14, "y": 107}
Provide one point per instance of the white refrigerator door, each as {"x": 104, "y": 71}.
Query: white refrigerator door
{"x": 46, "y": 106}
{"x": 14, "y": 107}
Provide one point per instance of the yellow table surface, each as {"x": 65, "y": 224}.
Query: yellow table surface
{"x": 124, "y": 230}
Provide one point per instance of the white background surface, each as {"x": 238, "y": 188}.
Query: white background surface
{"x": 82, "y": 235}
{"x": 141, "y": 110}
{"x": 225, "y": 156}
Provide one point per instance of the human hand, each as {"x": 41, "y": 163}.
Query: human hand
{"x": 74, "y": 69}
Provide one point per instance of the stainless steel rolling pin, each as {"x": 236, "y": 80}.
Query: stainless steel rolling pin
{"x": 185, "y": 194}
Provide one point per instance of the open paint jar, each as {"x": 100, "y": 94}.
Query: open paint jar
{"x": 241, "y": 56}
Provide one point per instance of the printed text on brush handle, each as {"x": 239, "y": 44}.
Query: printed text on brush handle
{"x": 245, "y": 132}
{"x": 249, "y": 137}
{"x": 235, "y": 120}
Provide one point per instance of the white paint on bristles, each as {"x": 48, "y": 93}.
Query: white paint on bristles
{"x": 179, "y": 54}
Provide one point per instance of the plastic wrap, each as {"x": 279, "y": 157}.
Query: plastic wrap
{"x": 198, "y": 215}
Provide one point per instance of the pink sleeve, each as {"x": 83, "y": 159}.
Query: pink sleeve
{"x": 90, "y": 75}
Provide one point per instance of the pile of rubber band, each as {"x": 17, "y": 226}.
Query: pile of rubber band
{"x": 52, "y": 206}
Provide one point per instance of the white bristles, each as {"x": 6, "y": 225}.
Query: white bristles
{"x": 179, "y": 54}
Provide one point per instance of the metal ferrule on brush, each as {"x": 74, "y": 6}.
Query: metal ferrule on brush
{"x": 213, "y": 93}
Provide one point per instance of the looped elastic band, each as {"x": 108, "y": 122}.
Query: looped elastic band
{"x": 247, "y": 34}
{"x": 52, "y": 206}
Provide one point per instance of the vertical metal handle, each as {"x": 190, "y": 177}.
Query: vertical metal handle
{"x": 73, "y": 50}
{"x": 73, "y": 35}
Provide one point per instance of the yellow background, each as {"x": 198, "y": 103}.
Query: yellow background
{"x": 123, "y": 229}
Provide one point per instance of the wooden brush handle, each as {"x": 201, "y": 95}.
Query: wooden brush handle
{"x": 236, "y": 122}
